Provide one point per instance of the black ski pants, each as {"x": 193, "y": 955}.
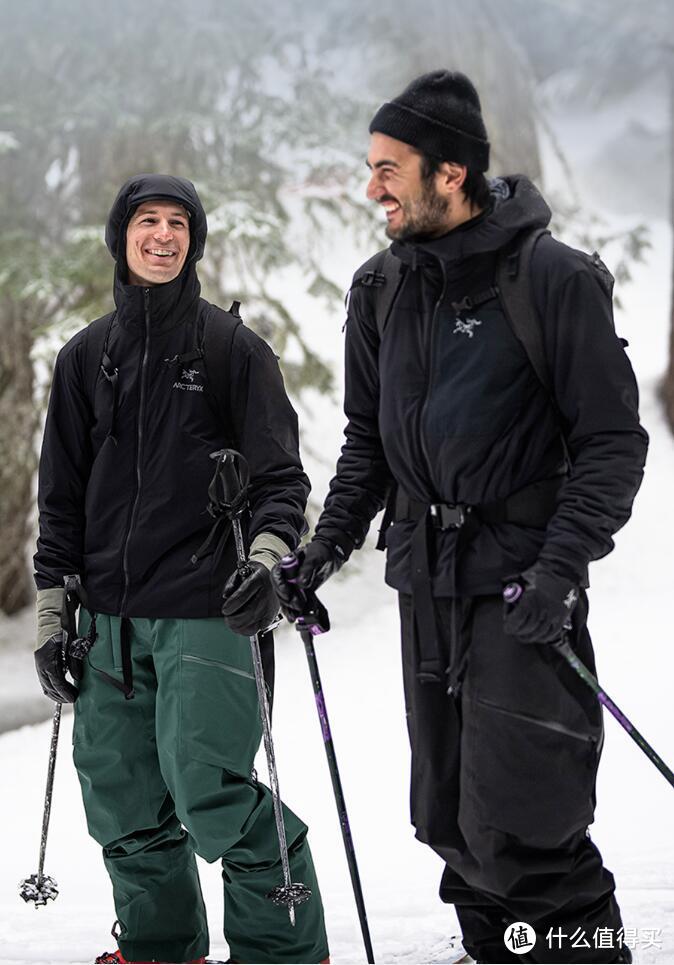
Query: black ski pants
{"x": 503, "y": 784}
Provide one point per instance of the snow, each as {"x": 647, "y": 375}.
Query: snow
{"x": 631, "y": 625}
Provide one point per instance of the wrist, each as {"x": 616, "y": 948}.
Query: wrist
{"x": 268, "y": 549}
{"x": 49, "y": 607}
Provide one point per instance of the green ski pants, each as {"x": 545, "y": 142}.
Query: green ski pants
{"x": 177, "y": 756}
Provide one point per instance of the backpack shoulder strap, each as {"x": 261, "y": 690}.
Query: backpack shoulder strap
{"x": 383, "y": 271}
{"x": 95, "y": 352}
{"x": 218, "y": 329}
{"x": 513, "y": 279}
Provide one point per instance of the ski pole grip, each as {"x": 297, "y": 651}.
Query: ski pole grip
{"x": 315, "y": 620}
{"x": 290, "y": 566}
{"x": 512, "y": 592}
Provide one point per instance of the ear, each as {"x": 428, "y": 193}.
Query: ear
{"x": 450, "y": 177}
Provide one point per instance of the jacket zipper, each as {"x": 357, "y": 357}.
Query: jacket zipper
{"x": 139, "y": 448}
{"x": 549, "y": 724}
{"x": 216, "y": 663}
{"x": 431, "y": 360}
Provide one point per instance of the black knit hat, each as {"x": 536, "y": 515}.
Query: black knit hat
{"x": 439, "y": 114}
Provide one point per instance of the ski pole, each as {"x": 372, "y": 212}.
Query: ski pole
{"x": 313, "y": 622}
{"x": 511, "y": 594}
{"x": 229, "y": 498}
{"x": 39, "y": 888}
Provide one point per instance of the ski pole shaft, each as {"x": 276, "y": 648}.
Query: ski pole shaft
{"x": 511, "y": 594}
{"x": 266, "y": 730}
{"x": 313, "y": 622}
{"x": 340, "y": 802}
{"x": 53, "y": 747}
{"x": 565, "y": 649}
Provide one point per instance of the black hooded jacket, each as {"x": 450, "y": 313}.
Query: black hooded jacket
{"x": 455, "y": 413}
{"x": 124, "y": 505}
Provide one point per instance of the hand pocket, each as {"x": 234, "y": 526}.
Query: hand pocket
{"x": 532, "y": 778}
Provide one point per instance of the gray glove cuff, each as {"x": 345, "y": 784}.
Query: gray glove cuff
{"x": 268, "y": 549}
{"x": 49, "y": 606}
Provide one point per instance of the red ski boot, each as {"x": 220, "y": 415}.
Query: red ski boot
{"x": 116, "y": 958}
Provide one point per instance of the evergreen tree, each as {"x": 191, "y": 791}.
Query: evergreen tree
{"x": 94, "y": 93}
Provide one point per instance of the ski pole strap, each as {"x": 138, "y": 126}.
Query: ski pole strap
{"x": 228, "y": 489}
{"x": 227, "y": 499}
{"x": 71, "y": 603}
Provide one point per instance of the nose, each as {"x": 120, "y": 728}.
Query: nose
{"x": 163, "y": 230}
{"x": 374, "y": 188}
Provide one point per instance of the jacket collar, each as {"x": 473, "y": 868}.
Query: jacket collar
{"x": 515, "y": 205}
{"x": 169, "y": 304}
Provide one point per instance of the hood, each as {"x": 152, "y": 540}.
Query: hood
{"x": 516, "y": 204}
{"x": 154, "y": 187}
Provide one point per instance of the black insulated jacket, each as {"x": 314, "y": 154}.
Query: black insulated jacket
{"x": 448, "y": 408}
{"x": 123, "y": 502}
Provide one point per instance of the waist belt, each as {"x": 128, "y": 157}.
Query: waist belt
{"x": 531, "y": 506}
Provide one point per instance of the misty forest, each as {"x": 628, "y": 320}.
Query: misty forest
{"x": 265, "y": 107}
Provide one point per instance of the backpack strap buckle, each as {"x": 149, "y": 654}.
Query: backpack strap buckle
{"x": 448, "y": 515}
{"x": 109, "y": 369}
{"x": 465, "y": 305}
{"x": 372, "y": 279}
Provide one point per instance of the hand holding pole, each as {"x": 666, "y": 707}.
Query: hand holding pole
{"x": 511, "y": 594}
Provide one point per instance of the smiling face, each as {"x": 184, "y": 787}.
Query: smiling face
{"x": 157, "y": 242}
{"x": 416, "y": 207}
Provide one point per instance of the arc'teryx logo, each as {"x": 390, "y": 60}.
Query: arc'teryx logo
{"x": 571, "y": 599}
{"x": 186, "y": 382}
{"x": 466, "y": 327}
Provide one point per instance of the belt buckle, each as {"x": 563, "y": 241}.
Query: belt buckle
{"x": 447, "y": 516}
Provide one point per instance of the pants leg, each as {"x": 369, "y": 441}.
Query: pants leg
{"x": 130, "y": 813}
{"x": 503, "y": 783}
{"x": 208, "y": 732}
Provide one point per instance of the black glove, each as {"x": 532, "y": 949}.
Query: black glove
{"x": 250, "y": 602}
{"x": 51, "y": 671}
{"x": 543, "y": 609}
{"x": 317, "y": 562}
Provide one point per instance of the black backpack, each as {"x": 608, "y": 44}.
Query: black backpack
{"x": 513, "y": 288}
{"x": 214, "y": 337}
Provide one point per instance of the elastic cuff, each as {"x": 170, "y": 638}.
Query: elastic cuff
{"x": 49, "y": 605}
{"x": 268, "y": 549}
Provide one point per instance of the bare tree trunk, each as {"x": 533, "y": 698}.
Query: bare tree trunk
{"x": 18, "y": 424}
{"x": 668, "y": 384}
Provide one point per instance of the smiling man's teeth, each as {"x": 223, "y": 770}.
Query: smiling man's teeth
{"x": 391, "y": 206}
{"x": 160, "y": 251}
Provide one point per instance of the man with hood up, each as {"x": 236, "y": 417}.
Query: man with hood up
{"x": 166, "y": 716}
{"x": 493, "y": 477}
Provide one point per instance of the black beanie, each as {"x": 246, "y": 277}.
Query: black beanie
{"x": 439, "y": 114}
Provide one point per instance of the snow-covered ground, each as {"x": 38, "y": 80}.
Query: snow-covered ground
{"x": 631, "y": 625}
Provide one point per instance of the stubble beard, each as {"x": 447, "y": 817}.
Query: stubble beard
{"x": 425, "y": 218}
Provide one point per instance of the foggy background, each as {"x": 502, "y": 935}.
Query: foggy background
{"x": 265, "y": 107}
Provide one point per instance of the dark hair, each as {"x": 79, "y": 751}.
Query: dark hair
{"x": 475, "y": 187}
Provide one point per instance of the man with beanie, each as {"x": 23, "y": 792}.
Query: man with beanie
{"x": 488, "y": 476}
{"x": 167, "y": 721}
